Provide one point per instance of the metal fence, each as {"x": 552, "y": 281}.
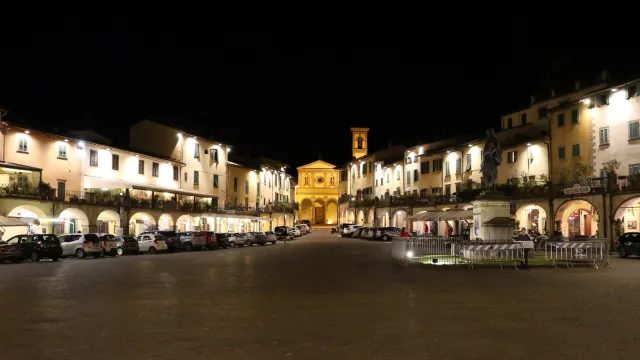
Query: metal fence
{"x": 436, "y": 250}
{"x": 589, "y": 252}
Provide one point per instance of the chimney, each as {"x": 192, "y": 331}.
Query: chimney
{"x": 577, "y": 85}
{"x": 532, "y": 98}
{"x": 604, "y": 75}
{"x": 553, "y": 93}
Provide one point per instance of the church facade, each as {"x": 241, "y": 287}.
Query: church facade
{"x": 317, "y": 193}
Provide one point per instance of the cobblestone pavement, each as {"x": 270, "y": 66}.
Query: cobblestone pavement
{"x": 319, "y": 297}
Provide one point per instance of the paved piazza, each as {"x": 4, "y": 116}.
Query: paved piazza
{"x": 319, "y": 297}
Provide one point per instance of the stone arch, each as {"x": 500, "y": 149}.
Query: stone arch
{"x": 319, "y": 212}
{"x": 399, "y": 219}
{"x": 74, "y": 220}
{"x": 108, "y": 222}
{"x": 140, "y": 222}
{"x": 33, "y": 216}
{"x": 279, "y": 220}
{"x": 351, "y": 216}
{"x": 360, "y": 217}
{"x": 626, "y": 216}
{"x": 370, "y": 218}
{"x": 576, "y": 217}
{"x": 306, "y": 208}
{"x": 532, "y": 217}
{"x": 332, "y": 211}
{"x": 185, "y": 223}
{"x": 165, "y": 222}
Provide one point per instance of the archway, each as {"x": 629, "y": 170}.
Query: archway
{"x": 332, "y": 212}
{"x": 140, "y": 222}
{"x": 370, "y": 218}
{"x": 319, "y": 212}
{"x": 360, "y": 217}
{"x": 35, "y": 218}
{"x": 399, "y": 219}
{"x": 73, "y": 221}
{"x": 280, "y": 220}
{"x": 626, "y": 217}
{"x": 577, "y": 218}
{"x": 351, "y": 216}
{"x": 165, "y": 222}
{"x": 306, "y": 208}
{"x": 108, "y": 222}
{"x": 531, "y": 217}
{"x": 185, "y": 223}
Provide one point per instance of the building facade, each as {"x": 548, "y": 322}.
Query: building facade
{"x": 317, "y": 192}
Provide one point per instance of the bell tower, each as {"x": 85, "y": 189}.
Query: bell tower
{"x": 359, "y": 142}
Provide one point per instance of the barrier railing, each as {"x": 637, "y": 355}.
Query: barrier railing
{"x": 576, "y": 252}
{"x": 455, "y": 251}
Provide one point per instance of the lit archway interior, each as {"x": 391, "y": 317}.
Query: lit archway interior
{"x": 399, "y": 219}
{"x": 531, "y": 217}
{"x": 370, "y": 219}
{"x": 165, "y": 222}
{"x": 351, "y": 217}
{"x": 140, "y": 222}
{"x": 627, "y": 217}
{"x": 185, "y": 223}
{"x": 577, "y": 218}
{"x": 108, "y": 222}
{"x": 306, "y": 208}
{"x": 332, "y": 212}
{"x": 360, "y": 218}
{"x": 73, "y": 221}
{"x": 33, "y": 216}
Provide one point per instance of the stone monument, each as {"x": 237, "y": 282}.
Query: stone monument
{"x": 491, "y": 211}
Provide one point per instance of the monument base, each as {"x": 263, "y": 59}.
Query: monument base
{"x": 492, "y": 217}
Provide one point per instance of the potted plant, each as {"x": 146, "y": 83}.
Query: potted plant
{"x": 610, "y": 168}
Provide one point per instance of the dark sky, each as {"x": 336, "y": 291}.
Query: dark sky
{"x": 290, "y": 96}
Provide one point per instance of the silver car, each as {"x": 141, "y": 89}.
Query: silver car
{"x": 190, "y": 240}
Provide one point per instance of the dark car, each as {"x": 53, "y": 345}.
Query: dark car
{"x": 127, "y": 245}
{"x": 36, "y": 247}
{"x": 171, "y": 238}
{"x": 223, "y": 240}
{"x": 629, "y": 244}
{"x": 386, "y": 233}
{"x": 282, "y": 232}
{"x": 212, "y": 240}
{"x": 11, "y": 252}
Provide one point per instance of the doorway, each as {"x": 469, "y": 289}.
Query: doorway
{"x": 319, "y": 215}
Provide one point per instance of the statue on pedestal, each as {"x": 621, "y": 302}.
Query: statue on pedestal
{"x": 491, "y": 159}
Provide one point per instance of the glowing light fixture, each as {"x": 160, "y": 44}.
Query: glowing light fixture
{"x": 587, "y": 101}
{"x": 448, "y": 151}
{"x": 27, "y": 131}
{"x": 528, "y": 144}
{"x": 470, "y": 145}
{"x": 66, "y": 140}
{"x": 81, "y": 144}
{"x": 614, "y": 90}
{"x": 409, "y": 254}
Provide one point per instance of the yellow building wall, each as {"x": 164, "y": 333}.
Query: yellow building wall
{"x": 567, "y": 136}
{"x": 316, "y": 189}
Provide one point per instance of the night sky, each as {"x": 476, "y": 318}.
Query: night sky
{"x": 288, "y": 96}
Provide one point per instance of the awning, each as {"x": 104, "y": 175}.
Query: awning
{"x": 6, "y": 222}
{"x": 456, "y": 215}
{"x": 427, "y": 215}
{"x": 500, "y": 221}
{"x": 91, "y": 182}
{"x": 160, "y": 189}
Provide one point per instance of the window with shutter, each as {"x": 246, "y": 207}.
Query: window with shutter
{"x": 155, "y": 169}
{"x": 604, "y": 136}
{"x": 141, "y": 167}
{"x": 575, "y": 150}
{"x": 424, "y": 167}
{"x": 196, "y": 177}
{"x": 447, "y": 171}
{"x": 216, "y": 183}
{"x": 415, "y": 175}
{"x": 468, "y": 167}
{"x": 634, "y": 130}
{"x": 408, "y": 177}
{"x": 575, "y": 117}
{"x": 458, "y": 166}
{"x": 93, "y": 158}
{"x": 115, "y": 162}
{"x": 561, "y": 153}
{"x": 560, "y": 120}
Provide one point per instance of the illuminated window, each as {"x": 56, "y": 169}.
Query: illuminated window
{"x": 22, "y": 144}
{"x": 93, "y": 158}
{"x": 62, "y": 151}
{"x": 359, "y": 142}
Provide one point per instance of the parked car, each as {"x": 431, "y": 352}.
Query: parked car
{"x": 127, "y": 245}
{"x": 190, "y": 240}
{"x": 36, "y": 247}
{"x": 152, "y": 243}
{"x": 302, "y": 228}
{"x": 296, "y": 232}
{"x": 307, "y": 222}
{"x": 11, "y": 252}
{"x": 387, "y": 233}
{"x": 109, "y": 244}
{"x": 81, "y": 245}
{"x": 171, "y": 238}
{"x": 223, "y": 240}
{"x": 211, "y": 240}
{"x": 629, "y": 244}
{"x": 244, "y": 239}
{"x": 349, "y": 230}
{"x": 262, "y": 238}
{"x": 282, "y": 232}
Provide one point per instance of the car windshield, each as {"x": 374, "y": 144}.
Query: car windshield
{"x": 128, "y": 238}
{"x": 159, "y": 237}
{"x": 92, "y": 237}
